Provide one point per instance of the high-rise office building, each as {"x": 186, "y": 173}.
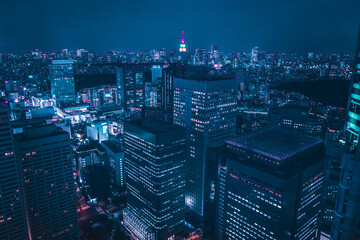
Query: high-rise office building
{"x": 44, "y": 154}
{"x": 269, "y": 186}
{"x": 62, "y": 82}
{"x": 346, "y": 220}
{"x": 154, "y": 161}
{"x": 12, "y": 214}
{"x": 206, "y": 106}
{"x": 152, "y": 95}
{"x": 352, "y": 126}
{"x": 131, "y": 84}
{"x": 116, "y": 162}
{"x": 332, "y": 170}
{"x": 167, "y": 89}
{"x": 200, "y": 56}
{"x": 156, "y": 73}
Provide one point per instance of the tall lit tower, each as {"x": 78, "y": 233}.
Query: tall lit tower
{"x": 154, "y": 164}
{"x": 182, "y": 44}
{"x": 345, "y": 223}
{"x": 352, "y": 127}
{"x": 206, "y": 106}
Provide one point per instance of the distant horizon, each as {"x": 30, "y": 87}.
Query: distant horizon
{"x": 302, "y": 26}
{"x": 20, "y": 51}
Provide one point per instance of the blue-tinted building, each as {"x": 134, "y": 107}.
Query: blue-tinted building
{"x": 352, "y": 127}
{"x": 62, "y": 82}
{"x": 130, "y": 80}
{"x": 116, "y": 162}
{"x": 44, "y": 154}
{"x": 298, "y": 117}
{"x": 205, "y": 105}
{"x": 154, "y": 163}
{"x": 97, "y": 130}
{"x": 269, "y": 186}
{"x": 12, "y": 212}
{"x": 346, "y": 220}
{"x": 156, "y": 73}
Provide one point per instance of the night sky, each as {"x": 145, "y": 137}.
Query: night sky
{"x": 233, "y": 25}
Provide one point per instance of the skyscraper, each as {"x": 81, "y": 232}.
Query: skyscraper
{"x": 116, "y": 162}
{"x": 130, "y": 80}
{"x": 62, "y": 82}
{"x": 44, "y": 154}
{"x": 12, "y": 214}
{"x": 352, "y": 127}
{"x": 167, "y": 88}
{"x": 346, "y": 221}
{"x": 205, "y": 105}
{"x": 270, "y": 184}
{"x": 332, "y": 170}
{"x": 156, "y": 73}
{"x": 154, "y": 161}
{"x": 182, "y": 47}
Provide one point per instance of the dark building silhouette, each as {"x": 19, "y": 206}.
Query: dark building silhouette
{"x": 154, "y": 162}
{"x": 205, "y": 105}
{"x": 346, "y": 221}
{"x": 115, "y": 162}
{"x": 12, "y": 215}
{"x": 296, "y": 117}
{"x": 352, "y": 126}
{"x": 269, "y": 186}
{"x": 332, "y": 170}
{"x": 44, "y": 154}
{"x": 130, "y": 80}
{"x": 167, "y": 89}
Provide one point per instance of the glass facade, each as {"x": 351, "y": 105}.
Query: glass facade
{"x": 115, "y": 152}
{"x": 260, "y": 197}
{"x": 47, "y": 175}
{"x": 352, "y": 127}
{"x": 346, "y": 220}
{"x": 207, "y": 109}
{"x": 131, "y": 85}
{"x": 154, "y": 162}
{"x": 12, "y": 214}
{"x": 62, "y": 82}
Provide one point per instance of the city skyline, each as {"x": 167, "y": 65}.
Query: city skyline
{"x": 236, "y": 120}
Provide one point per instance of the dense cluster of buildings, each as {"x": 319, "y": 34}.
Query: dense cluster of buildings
{"x": 176, "y": 145}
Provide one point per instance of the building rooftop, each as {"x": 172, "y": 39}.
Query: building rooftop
{"x": 203, "y": 73}
{"x": 114, "y": 146}
{"x": 154, "y": 127}
{"x": 62, "y": 62}
{"x": 38, "y": 132}
{"x": 154, "y": 131}
{"x": 279, "y": 144}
